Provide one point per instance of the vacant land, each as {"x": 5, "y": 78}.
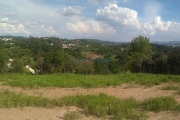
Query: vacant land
{"x": 87, "y": 97}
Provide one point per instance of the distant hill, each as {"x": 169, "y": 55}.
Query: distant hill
{"x": 168, "y": 43}
{"x": 10, "y": 36}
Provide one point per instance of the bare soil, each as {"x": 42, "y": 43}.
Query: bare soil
{"x": 91, "y": 55}
{"x": 123, "y": 91}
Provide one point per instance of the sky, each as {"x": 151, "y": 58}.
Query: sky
{"x": 110, "y": 20}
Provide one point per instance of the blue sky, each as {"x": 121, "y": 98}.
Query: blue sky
{"x": 112, "y": 20}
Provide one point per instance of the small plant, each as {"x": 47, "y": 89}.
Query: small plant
{"x": 170, "y": 87}
{"x": 159, "y": 104}
{"x": 12, "y": 100}
{"x": 178, "y": 92}
{"x": 71, "y": 116}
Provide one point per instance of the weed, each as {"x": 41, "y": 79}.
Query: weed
{"x": 178, "y": 92}
{"x": 101, "y": 105}
{"x": 170, "y": 87}
{"x": 71, "y": 115}
{"x": 159, "y": 104}
{"x": 9, "y": 100}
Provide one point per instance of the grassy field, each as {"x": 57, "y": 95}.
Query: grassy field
{"x": 101, "y": 105}
{"x": 84, "y": 81}
{"x": 97, "y": 105}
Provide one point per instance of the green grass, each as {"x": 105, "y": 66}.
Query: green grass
{"x": 101, "y": 105}
{"x": 9, "y": 99}
{"x": 159, "y": 104}
{"x": 71, "y": 116}
{"x": 170, "y": 87}
{"x": 84, "y": 81}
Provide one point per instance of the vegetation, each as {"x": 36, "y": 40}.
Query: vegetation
{"x": 71, "y": 116}
{"x": 170, "y": 87}
{"x": 54, "y": 55}
{"x": 67, "y": 67}
{"x": 99, "y": 106}
{"x": 84, "y": 81}
{"x": 13, "y": 100}
{"x": 159, "y": 104}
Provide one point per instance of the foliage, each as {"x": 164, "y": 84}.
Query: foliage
{"x": 46, "y": 56}
{"x": 101, "y": 66}
{"x": 140, "y": 50}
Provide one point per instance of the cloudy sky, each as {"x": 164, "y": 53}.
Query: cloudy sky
{"x": 112, "y": 20}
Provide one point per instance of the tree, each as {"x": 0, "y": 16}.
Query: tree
{"x": 124, "y": 59}
{"x": 140, "y": 51}
{"x": 3, "y": 62}
{"x": 101, "y": 66}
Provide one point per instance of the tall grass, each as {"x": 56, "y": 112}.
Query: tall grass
{"x": 159, "y": 104}
{"x": 101, "y": 105}
{"x": 85, "y": 81}
{"x": 9, "y": 99}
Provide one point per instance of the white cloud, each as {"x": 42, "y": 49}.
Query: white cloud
{"x": 96, "y": 2}
{"x": 79, "y": 27}
{"x": 4, "y": 20}
{"x": 125, "y": 21}
{"x": 114, "y": 15}
{"x": 43, "y": 30}
{"x": 6, "y": 28}
{"x": 71, "y": 11}
{"x": 109, "y": 21}
{"x": 89, "y": 27}
{"x": 159, "y": 24}
{"x": 26, "y": 19}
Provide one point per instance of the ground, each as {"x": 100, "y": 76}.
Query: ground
{"x": 124, "y": 91}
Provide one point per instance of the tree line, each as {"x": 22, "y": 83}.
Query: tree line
{"x": 46, "y": 56}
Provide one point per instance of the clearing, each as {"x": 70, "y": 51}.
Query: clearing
{"x": 127, "y": 90}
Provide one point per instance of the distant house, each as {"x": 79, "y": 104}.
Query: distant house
{"x": 7, "y": 39}
{"x": 67, "y": 45}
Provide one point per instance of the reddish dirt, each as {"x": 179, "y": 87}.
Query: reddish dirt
{"x": 91, "y": 55}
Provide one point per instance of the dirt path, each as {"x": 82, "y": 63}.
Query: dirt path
{"x": 30, "y": 113}
{"x": 138, "y": 92}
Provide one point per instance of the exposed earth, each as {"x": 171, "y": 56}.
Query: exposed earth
{"x": 123, "y": 91}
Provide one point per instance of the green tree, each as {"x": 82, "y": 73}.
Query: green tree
{"x": 3, "y": 62}
{"x": 140, "y": 51}
{"x": 124, "y": 59}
